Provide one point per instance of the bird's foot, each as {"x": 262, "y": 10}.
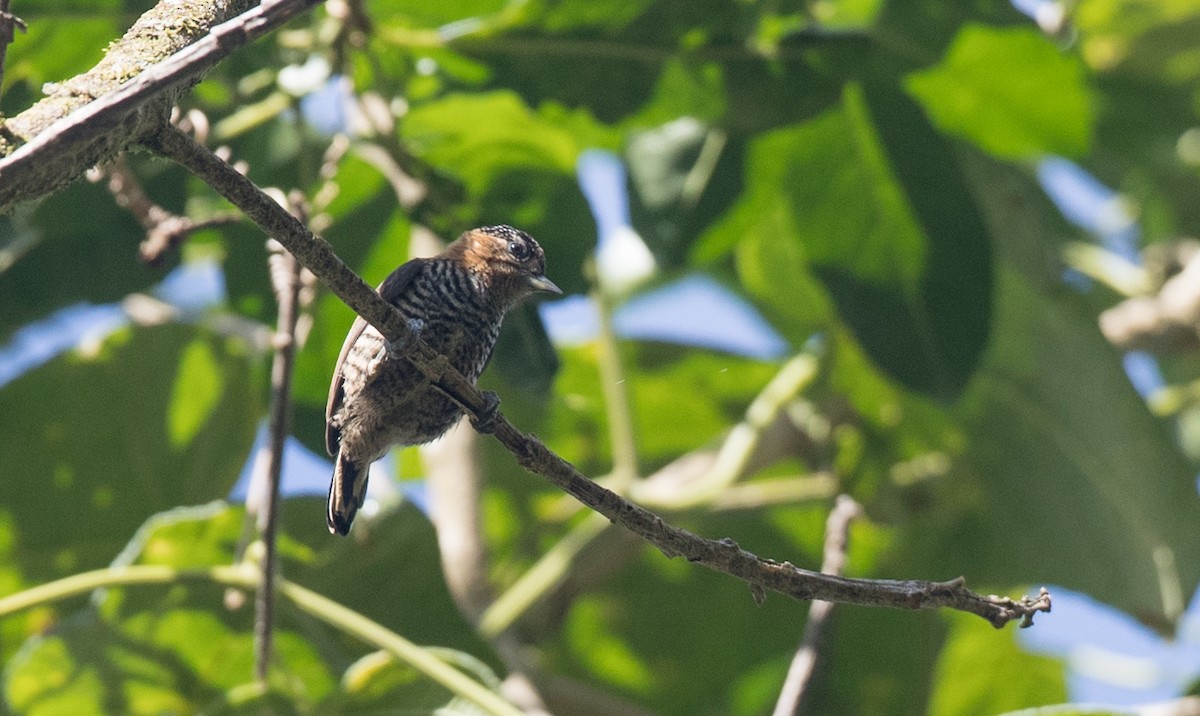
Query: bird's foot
{"x": 396, "y": 349}
{"x": 486, "y": 422}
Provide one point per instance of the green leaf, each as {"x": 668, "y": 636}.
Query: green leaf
{"x": 1051, "y": 425}
{"x": 1052, "y": 422}
{"x": 188, "y": 647}
{"x": 523, "y": 355}
{"x": 870, "y": 200}
{"x": 479, "y": 136}
{"x": 1010, "y": 91}
{"x": 876, "y": 663}
{"x": 83, "y": 248}
{"x": 719, "y": 387}
{"x": 518, "y": 165}
{"x": 56, "y": 46}
{"x": 390, "y": 571}
{"x": 981, "y": 672}
{"x": 94, "y": 455}
{"x": 1142, "y": 40}
{"x": 405, "y": 13}
{"x": 644, "y": 615}
{"x": 195, "y": 393}
{"x": 161, "y": 649}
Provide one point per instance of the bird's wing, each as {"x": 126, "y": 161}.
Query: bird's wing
{"x": 336, "y": 389}
{"x": 390, "y": 290}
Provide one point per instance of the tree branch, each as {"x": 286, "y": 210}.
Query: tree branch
{"x": 287, "y": 282}
{"x": 90, "y": 118}
{"x": 799, "y": 675}
{"x": 721, "y": 555}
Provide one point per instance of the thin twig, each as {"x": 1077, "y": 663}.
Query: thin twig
{"x": 837, "y": 535}
{"x": 721, "y": 555}
{"x": 9, "y": 23}
{"x": 165, "y": 231}
{"x": 286, "y": 281}
{"x": 168, "y": 235}
{"x": 616, "y": 398}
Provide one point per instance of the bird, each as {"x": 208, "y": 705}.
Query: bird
{"x": 455, "y": 302}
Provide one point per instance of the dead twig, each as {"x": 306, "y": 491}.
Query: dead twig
{"x": 837, "y": 537}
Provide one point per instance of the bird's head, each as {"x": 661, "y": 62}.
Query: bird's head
{"x": 509, "y": 260}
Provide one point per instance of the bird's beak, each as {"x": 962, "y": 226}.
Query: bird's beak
{"x": 541, "y": 283}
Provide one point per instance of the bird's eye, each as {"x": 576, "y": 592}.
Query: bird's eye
{"x": 519, "y": 250}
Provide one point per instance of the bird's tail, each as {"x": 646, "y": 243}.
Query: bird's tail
{"x": 346, "y": 493}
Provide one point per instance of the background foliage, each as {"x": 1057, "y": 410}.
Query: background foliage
{"x": 865, "y": 172}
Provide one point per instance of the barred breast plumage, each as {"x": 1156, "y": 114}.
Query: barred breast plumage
{"x": 377, "y": 399}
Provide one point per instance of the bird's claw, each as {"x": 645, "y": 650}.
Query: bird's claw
{"x": 486, "y": 422}
{"x": 395, "y": 349}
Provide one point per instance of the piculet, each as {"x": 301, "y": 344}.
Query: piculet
{"x": 455, "y": 302}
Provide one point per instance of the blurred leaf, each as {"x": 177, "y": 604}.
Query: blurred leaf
{"x": 1143, "y": 58}
{"x": 1141, "y": 36}
{"x": 1011, "y": 91}
{"x": 523, "y": 355}
{"x": 928, "y": 26}
{"x": 389, "y": 570}
{"x": 93, "y": 455}
{"x": 85, "y": 250}
{"x": 160, "y": 649}
{"x": 195, "y": 393}
{"x": 56, "y": 46}
{"x": 949, "y": 296}
{"x": 519, "y": 167}
{"x": 984, "y": 672}
{"x": 1051, "y": 419}
{"x": 682, "y": 175}
{"x": 604, "y": 57}
{"x": 449, "y": 133}
{"x": 642, "y": 603}
{"x": 607, "y": 15}
{"x": 719, "y": 389}
{"x": 685, "y": 89}
{"x": 574, "y": 425}
{"x": 156, "y": 649}
{"x": 406, "y": 13}
{"x": 868, "y": 199}
{"x": 762, "y": 94}
{"x": 603, "y": 652}
{"x": 625, "y": 634}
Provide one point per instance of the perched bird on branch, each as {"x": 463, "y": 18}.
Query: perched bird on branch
{"x": 455, "y": 302}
